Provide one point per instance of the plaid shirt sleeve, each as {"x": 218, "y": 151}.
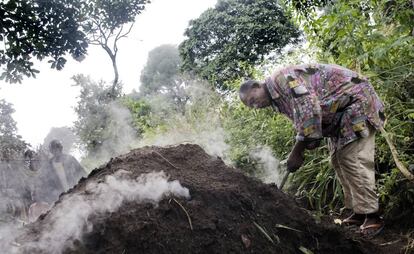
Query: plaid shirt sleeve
{"x": 307, "y": 113}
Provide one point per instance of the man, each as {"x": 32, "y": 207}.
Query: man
{"x": 15, "y": 193}
{"x": 326, "y": 100}
{"x": 66, "y": 167}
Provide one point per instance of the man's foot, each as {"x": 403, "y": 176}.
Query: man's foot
{"x": 354, "y": 219}
{"x": 372, "y": 226}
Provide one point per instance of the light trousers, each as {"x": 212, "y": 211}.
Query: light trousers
{"x": 355, "y": 169}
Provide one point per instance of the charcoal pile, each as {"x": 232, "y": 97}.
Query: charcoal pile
{"x": 225, "y": 212}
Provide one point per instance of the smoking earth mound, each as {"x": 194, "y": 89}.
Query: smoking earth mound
{"x": 225, "y": 211}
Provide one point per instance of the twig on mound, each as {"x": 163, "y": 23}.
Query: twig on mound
{"x": 188, "y": 216}
{"x": 305, "y": 250}
{"x": 166, "y": 160}
{"x": 263, "y": 231}
{"x": 289, "y": 228}
{"x": 390, "y": 243}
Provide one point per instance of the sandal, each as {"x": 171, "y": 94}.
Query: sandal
{"x": 354, "y": 219}
{"x": 372, "y": 230}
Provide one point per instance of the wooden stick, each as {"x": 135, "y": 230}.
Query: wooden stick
{"x": 188, "y": 216}
{"x": 165, "y": 159}
{"x": 394, "y": 153}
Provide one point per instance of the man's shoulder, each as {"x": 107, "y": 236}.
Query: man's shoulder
{"x": 68, "y": 158}
{"x": 297, "y": 70}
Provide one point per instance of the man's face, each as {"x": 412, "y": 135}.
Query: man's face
{"x": 256, "y": 98}
{"x": 55, "y": 151}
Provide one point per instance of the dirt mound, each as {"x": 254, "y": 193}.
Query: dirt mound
{"x": 228, "y": 212}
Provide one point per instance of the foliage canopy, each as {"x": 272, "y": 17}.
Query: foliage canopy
{"x": 161, "y": 75}
{"x": 236, "y": 33}
{"x": 161, "y": 72}
{"x": 38, "y": 29}
{"x": 50, "y": 29}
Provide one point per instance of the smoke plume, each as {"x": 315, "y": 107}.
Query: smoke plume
{"x": 200, "y": 123}
{"x": 69, "y": 220}
{"x": 268, "y": 166}
{"x": 120, "y": 136}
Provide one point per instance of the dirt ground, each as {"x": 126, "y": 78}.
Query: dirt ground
{"x": 229, "y": 213}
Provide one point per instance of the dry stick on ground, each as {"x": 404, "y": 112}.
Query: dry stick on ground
{"x": 166, "y": 160}
{"x": 390, "y": 243}
{"x": 394, "y": 153}
{"x": 263, "y": 231}
{"x": 188, "y": 216}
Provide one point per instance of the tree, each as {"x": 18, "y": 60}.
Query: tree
{"x": 161, "y": 70}
{"x": 161, "y": 75}
{"x": 50, "y": 29}
{"x": 11, "y": 144}
{"x": 91, "y": 110}
{"x": 107, "y": 22}
{"x": 306, "y": 7}
{"x": 38, "y": 29}
{"x": 104, "y": 125}
{"x": 236, "y": 33}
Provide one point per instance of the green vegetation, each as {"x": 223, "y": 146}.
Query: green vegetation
{"x": 189, "y": 94}
{"x": 374, "y": 38}
{"x": 234, "y": 35}
{"x": 11, "y": 145}
{"x": 227, "y": 44}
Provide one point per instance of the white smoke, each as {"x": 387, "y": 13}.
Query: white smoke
{"x": 268, "y": 166}
{"x": 123, "y": 135}
{"x": 210, "y": 136}
{"x": 69, "y": 219}
{"x": 120, "y": 136}
{"x": 200, "y": 123}
{"x": 195, "y": 119}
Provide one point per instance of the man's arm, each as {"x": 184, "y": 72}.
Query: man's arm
{"x": 307, "y": 118}
{"x": 296, "y": 156}
{"x": 79, "y": 171}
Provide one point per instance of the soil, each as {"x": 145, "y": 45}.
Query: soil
{"x": 229, "y": 212}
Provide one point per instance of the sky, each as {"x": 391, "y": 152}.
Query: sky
{"x": 49, "y": 100}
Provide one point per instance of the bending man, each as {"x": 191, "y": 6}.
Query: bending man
{"x": 326, "y": 100}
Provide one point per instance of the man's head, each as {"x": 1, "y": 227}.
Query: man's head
{"x": 55, "y": 147}
{"x": 253, "y": 94}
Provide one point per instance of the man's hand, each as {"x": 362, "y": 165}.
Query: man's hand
{"x": 310, "y": 145}
{"x": 296, "y": 157}
{"x": 294, "y": 162}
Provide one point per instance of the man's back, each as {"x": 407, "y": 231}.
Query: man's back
{"x": 74, "y": 171}
{"x": 325, "y": 100}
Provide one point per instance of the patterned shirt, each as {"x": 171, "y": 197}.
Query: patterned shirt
{"x": 326, "y": 100}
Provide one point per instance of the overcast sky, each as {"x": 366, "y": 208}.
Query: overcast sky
{"x": 48, "y": 100}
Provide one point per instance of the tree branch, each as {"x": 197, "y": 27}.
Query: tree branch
{"x": 129, "y": 30}
{"x": 394, "y": 153}
{"x": 103, "y": 35}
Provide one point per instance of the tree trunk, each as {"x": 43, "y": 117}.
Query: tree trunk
{"x": 114, "y": 66}
{"x": 116, "y": 74}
